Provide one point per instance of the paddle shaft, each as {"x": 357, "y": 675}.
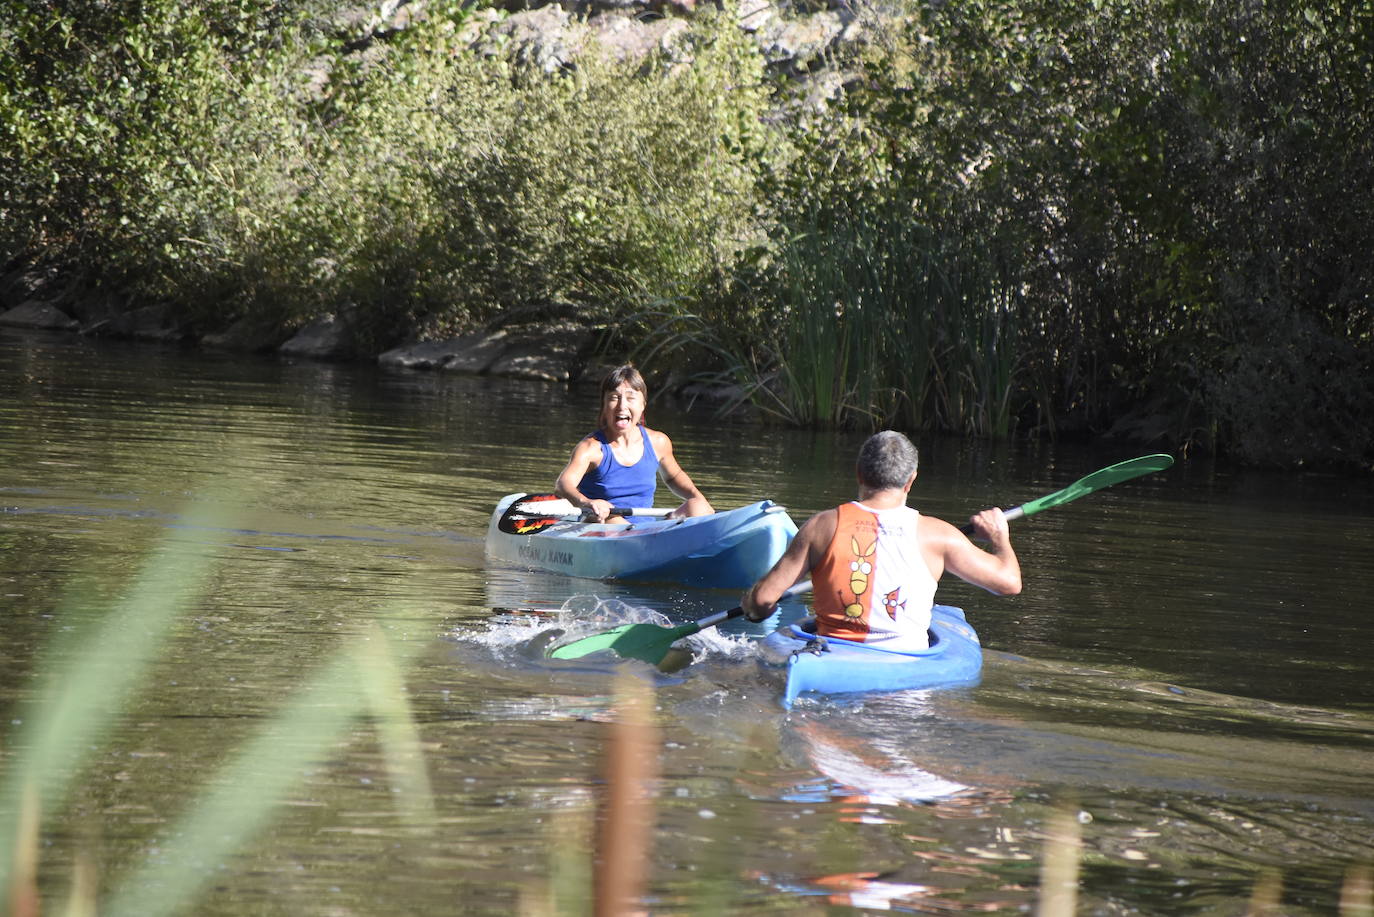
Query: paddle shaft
{"x": 1016, "y": 512}
{"x": 533, "y": 513}
{"x": 567, "y": 510}
{"x": 721, "y": 617}
{"x": 1104, "y": 477}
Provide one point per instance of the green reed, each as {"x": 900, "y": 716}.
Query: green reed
{"x": 89, "y": 679}
{"x": 891, "y": 321}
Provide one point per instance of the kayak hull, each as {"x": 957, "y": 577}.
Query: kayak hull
{"x": 729, "y": 549}
{"x": 955, "y": 657}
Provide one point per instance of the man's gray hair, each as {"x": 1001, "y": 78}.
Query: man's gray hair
{"x": 886, "y": 460}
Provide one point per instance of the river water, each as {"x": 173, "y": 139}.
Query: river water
{"x": 316, "y": 697}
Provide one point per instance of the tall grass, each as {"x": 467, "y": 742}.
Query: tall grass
{"x": 88, "y": 681}
{"x": 889, "y": 320}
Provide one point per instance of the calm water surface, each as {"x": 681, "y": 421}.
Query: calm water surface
{"x": 1186, "y": 681}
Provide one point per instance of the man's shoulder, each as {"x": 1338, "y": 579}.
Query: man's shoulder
{"x": 821, "y": 526}
{"x": 932, "y": 530}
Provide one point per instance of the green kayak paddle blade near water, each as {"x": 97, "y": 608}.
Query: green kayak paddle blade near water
{"x": 1106, "y": 477}
{"x": 647, "y": 642}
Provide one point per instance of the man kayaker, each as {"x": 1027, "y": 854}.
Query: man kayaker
{"x": 875, "y": 562}
{"x": 620, "y": 463}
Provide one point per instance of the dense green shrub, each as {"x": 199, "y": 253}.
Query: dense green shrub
{"x": 610, "y": 185}
{"x": 1177, "y": 194}
{"x": 416, "y": 185}
{"x": 1149, "y": 218}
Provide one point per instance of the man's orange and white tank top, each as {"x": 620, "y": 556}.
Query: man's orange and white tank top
{"x": 872, "y": 584}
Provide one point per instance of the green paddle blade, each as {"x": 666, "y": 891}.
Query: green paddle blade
{"x": 647, "y": 642}
{"x": 1114, "y": 474}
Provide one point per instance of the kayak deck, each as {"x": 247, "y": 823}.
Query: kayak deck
{"x": 831, "y": 665}
{"x": 730, "y": 549}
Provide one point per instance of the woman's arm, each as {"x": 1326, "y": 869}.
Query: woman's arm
{"x": 586, "y": 455}
{"x": 694, "y": 504}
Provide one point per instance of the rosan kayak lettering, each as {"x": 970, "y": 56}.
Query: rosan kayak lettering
{"x": 536, "y": 555}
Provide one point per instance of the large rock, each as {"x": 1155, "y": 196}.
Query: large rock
{"x": 557, "y": 358}
{"x": 546, "y": 38}
{"x": 35, "y": 314}
{"x": 29, "y": 283}
{"x": 552, "y": 36}
{"x": 328, "y": 337}
{"x": 629, "y": 39}
{"x": 795, "y": 46}
{"x": 472, "y": 353}
{"x": 551, "y": 352}
{"x": 246, "y": 336}
{"x": 150, "y": 323}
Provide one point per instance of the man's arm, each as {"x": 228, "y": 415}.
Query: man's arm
{"x": 801, "y": 555}
{"x": 998, "y": 571}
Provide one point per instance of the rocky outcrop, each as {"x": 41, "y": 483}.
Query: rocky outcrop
{"x": 247, "y": 336}
{"x": 148, "y": 323}
{"x": 554, "y": 345}
{"x": 37, "y": 314}
{"x": 551, "y": 37}
{"x": 551, "y": 350}
{"x": 328, "y": 337}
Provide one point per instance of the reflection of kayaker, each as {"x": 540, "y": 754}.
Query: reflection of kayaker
{"x": 619, "y": 464}
{"x": 866, "y": 769}
{"x": 874, "y": 563}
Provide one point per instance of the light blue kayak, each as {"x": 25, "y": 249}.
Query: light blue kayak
{"x": 830, "y": 665}
{"x": 729, "y": 550}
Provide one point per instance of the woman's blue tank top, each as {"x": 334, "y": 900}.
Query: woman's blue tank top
{"x": 623, "y": 485}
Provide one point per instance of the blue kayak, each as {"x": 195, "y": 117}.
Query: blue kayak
{"x": 830, "y": 665}
{"x": 728, "y": 550}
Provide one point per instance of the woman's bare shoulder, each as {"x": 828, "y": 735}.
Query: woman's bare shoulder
{"x": 659, "y": 439}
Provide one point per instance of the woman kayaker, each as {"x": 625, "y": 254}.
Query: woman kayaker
{"x": 620, "y": 463}
{"x": 875, "y": 562}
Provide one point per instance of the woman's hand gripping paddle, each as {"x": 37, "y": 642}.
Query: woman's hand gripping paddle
{"x": 650, "y": 642}
{"x": 534, "y": 512}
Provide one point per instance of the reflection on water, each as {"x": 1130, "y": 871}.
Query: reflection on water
{"x": 1182, "y": 676}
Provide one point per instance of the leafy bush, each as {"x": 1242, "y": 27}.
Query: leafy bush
{"x": 1055, "y": 218}
{"x": 610, "y": 185}
{"x": 1177, "y": 194}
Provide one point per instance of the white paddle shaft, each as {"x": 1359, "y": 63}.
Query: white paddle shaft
{"x": 565, "y": 508}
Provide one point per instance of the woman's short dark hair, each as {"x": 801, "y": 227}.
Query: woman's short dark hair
{"x": 622, "y": 374}
{"x": 887, "y": 460}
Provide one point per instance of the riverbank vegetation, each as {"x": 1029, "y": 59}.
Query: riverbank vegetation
{"x": 1147, "y": 219}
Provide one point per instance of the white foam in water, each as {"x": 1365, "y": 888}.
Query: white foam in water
{"x": 716, "y": 643}
{"x": 533, "y": 632}
{"x": 579, "y": 616}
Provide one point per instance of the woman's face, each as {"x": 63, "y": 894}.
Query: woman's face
{"x": 621, "y": 409}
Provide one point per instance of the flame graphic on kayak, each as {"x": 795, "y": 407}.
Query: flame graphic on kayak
{"x": 530, "y": 526}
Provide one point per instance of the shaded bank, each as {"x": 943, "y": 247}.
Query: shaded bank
{"x": 993, "y": 219}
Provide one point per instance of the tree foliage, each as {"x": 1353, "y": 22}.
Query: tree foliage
{"x": 1179, "y": 193}
{"x": 1146, "y": 218}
